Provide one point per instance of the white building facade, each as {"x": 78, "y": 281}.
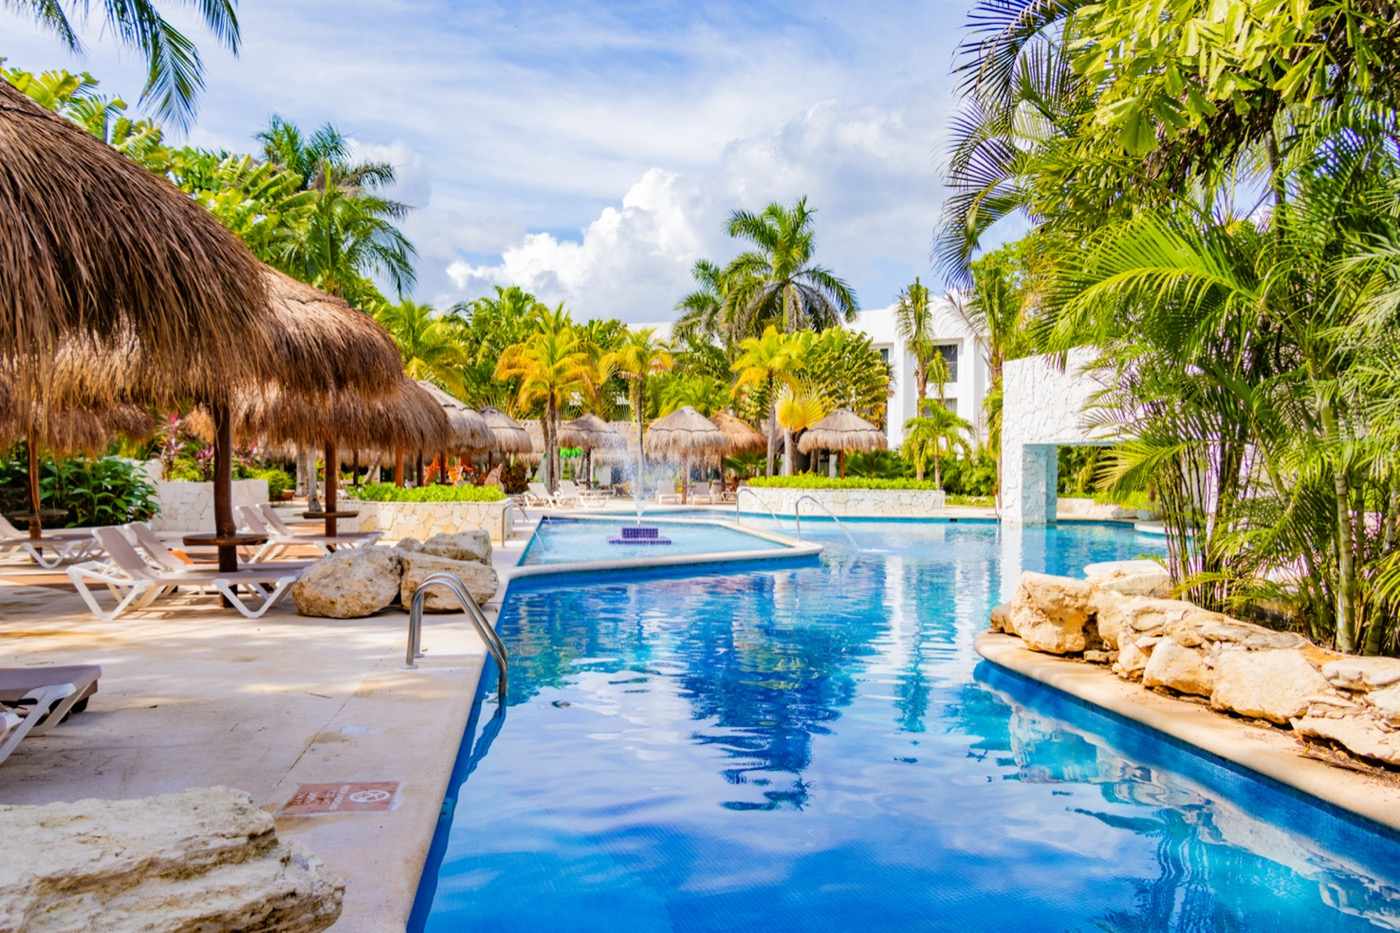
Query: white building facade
{"x": 962, "y": 349}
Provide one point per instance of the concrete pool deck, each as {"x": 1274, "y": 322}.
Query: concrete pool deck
{"x": 1273, "y": 753}
{"x": 196, "y": 696}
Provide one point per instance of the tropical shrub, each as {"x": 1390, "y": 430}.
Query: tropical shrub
{"x": 515, "y": 477}
{"x": 388, "y": 492}
{"x": 278, "y": 480}
{"x": 94, "y": 492}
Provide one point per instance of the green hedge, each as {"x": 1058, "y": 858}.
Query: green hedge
{"x": 814, "y": 481}
{"x": 388, "y": 492}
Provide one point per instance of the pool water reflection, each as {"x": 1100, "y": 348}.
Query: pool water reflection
{"x": 818, "y": 748}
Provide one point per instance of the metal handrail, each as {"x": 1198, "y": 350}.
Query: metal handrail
{"x": 745, "y": 489}
{"x": 797, "y": 511}
{"x": 483, "y": 627}
{"x": 507, "y": 526}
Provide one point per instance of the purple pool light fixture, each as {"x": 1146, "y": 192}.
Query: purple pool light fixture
{"x": 640, "y": 534}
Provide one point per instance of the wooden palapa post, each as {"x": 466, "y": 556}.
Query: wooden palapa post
{"x": 332, "y": 481}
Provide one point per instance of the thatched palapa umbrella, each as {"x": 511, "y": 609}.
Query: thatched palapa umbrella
{"x": 842, "y": 431}
{"x": 590, "y": 433}
{"x": 470, "y": 432}
{"x": 510, "y": 435}
{"x": 742, "y": 436}
{"x": 682, "y": 435}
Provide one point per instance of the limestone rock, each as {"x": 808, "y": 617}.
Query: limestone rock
{"x": 1062, "y": 600}
{"x": 1119, "y": 617}
{"x": 1387, "y": 703}
{"x": 1201, "y": 627}
{"x": 1178, "y": 668}
{"x": 1131, "y": 577}
{"x": 409, "y": 544}
{"x": 350, "y": 584}
{"x": 1352, "y": 673}
{"x": 206, "y": 859}
{"x": 1361, "y": 737}
{"x": 479, "y": 580}
{"x": 472, "y": 544}
{"x": 1133, "y": 655}
{"x": 1001, "y": 619}
{"x": 1274, "y": 684}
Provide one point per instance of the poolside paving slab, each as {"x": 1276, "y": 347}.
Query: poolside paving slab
{"x": 194, "y": 696}
{"x": 1274, "y": 753}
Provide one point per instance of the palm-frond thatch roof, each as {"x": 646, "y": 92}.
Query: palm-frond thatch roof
{"x": 684, "y": 434}
{"x": 405, "y": 418}
{"x": 470, "y": 432}
{"x": 842, "y": 430}
{"x": 76, "y": 430}
{"x": 92, "y": 245}
{"x": 742, "y": 436}
{"x": 591, "y": 433}
{"x": 510, "y": 435}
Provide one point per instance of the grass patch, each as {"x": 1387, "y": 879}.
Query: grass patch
{"x": 813, "y": 481}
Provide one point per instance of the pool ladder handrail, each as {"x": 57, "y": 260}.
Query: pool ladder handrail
{"x": 483, "y": 628}
{"x": 797, "y": 511}
{"x": 507, "y": 526}
{"x": 737, "y": 513}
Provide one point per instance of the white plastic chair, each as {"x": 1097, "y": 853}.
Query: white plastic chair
{"x": 134, "y": 584}
{"x": 14, "y": 727}
{"x": 256, "y": 520}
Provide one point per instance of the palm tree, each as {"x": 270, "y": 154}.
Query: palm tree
{"x": 704, "y": 393}
{"x": 426, "y": 342}
{"x": 640, "y": 357}
{"x": 926, "y": 438}
{"x": 551, "y": 369}
{"x": 174, "y": 70}
{"x": 777, "y": 281}
{"x": 766, "y": 362}
{"x": 799, "y": 407}
{"x": 485, "y": 327}
{"x": 913, "y": 317}
{"x": 320, "y": 156}
{"x": 706, "y": 314}
{"x": 347, "y": 235}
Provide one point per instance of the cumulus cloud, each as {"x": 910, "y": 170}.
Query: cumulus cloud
{"x": 632, "y": 261}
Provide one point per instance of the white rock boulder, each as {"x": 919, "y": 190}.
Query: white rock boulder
{"x": 1353, "y": 673}
{"x": 479, "y": 580}
{"x": 206, "y": 860}
{"x": 349, "y": 584}
{"x": 1178, "y": 668}
{"x": 1362, "y": 737}
{"x": 1131, "y": 577}
{"x": 472, "y": 544}
{"x": 1275, "y": 684}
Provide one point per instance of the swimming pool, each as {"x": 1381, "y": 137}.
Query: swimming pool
{"x": 582, "y": 540}
{"x": 818, "y": 748}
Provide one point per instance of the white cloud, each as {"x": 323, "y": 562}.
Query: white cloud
{"x": 632, "y": 261}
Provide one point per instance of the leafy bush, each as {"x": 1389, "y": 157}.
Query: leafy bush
{"x": 971, "y": 476}
{"x": 388, "y": 492}
{"x": 816, "y": 481}
{"x": 104, "y": 491}
{"x": 515, "y": 477}
{"x": 278, "y": 480}
{"x": 885, "y": 464}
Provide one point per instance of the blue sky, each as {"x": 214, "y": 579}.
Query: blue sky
{"x": 592, "y": 152}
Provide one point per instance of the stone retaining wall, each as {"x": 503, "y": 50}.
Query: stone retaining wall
{"x": 1119, "y": 617}
{"x": 423, "y": 520}
{"x": 884, "y": 502}
{"x": 186, "y": 506}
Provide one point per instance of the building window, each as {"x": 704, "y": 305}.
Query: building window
{"x": 949, "y": 352}
{"x": 885, "y": 355}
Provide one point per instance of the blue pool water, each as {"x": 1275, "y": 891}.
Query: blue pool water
{"x": 815, "y": 746}
{"x": 568, "y": 540}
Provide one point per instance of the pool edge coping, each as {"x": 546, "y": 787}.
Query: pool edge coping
{"x": 1276, "y": 757}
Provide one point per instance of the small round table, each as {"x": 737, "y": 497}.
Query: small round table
{"x": 330, "y": 518}
{"x": 43, "y": 515}
{"x": 228, "y": 546}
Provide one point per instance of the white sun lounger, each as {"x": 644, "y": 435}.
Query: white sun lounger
{"x": 538, "y": 496}
{"x": 19, "y": 687}
{"x": 134, "y": 584}
{"x": 14, "y": 727}
{"x": 50, "y": 550}
{"x": 254, "y": 520}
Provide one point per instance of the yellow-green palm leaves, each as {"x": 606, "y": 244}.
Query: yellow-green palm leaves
{"x": 427, "y": 343}
{"x": 552, "y": 367}
{"x": 641, "y": 356}
{"x": 766, "y": 362}
{"x": 926, "y": 439}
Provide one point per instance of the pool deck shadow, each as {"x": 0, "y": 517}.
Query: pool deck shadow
{"x": 195, "y": 696}
{"x": 1274, "y": 753}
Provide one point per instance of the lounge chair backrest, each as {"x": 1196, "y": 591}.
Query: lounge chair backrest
{"x": 537, "y": 489}
{"x": 7, "y": 530}
{"x": 154, "y": 547}
{"x": 251, "y": 520}
{"x": 568, "y": 487}
{"x": 274, "y": 520}
{"x": 121, "y": 551}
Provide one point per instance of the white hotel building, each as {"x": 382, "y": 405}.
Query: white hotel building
{"x": 964, "y": 350}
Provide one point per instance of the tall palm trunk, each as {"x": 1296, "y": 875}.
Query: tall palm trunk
{"x": 772, "y": 428}
{"x": 787, "y": 452}
{"x": 551, "y": 412}
{"x": 1346, "y": 556}
{"x": 937, "y": 466}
